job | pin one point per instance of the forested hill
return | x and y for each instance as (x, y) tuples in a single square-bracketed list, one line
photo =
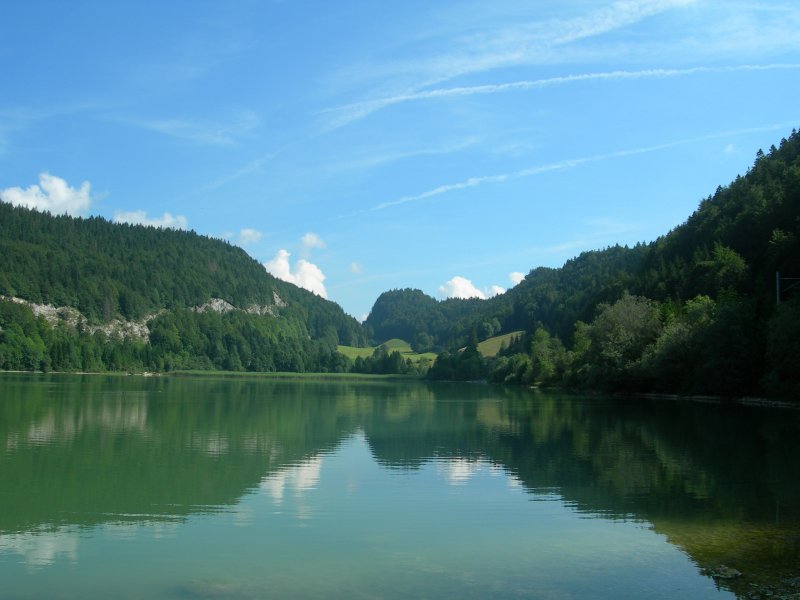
[(109, 271), (555, 298), (694, 311)]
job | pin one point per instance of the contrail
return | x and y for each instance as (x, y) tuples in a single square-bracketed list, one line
[(359, 110), (569, 164)]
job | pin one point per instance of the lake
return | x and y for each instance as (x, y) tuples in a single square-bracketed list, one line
[(236, 487)]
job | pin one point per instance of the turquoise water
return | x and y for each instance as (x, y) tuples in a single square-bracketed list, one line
[(131, 487)]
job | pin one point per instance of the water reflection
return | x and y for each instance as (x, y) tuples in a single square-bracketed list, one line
[(43, 547), (459, 471), (299, 478), (721, 483)]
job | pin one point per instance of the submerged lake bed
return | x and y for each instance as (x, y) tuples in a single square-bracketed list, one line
[(213, 487)]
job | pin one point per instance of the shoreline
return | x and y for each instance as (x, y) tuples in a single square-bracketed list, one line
[(699, 398), (229, 374), (703, 399)]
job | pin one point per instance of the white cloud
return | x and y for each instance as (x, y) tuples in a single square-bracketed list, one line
[(305, 274), (460, 287), (249, 236), (516, 277), (312, 240), (356, 268), (729, 149), (53, 194), (139, 217), (279, 266)]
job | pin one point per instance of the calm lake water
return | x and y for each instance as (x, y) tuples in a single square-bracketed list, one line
[(131, 487)]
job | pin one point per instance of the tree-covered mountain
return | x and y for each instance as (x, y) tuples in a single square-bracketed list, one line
[(110, 273), (555, 297), (695, 311), (416, 317)]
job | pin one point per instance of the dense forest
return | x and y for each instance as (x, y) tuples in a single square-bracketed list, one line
[(712, 307), (113, 273), (697, 311)]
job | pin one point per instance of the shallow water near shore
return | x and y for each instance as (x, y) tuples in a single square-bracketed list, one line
[(205, 487)]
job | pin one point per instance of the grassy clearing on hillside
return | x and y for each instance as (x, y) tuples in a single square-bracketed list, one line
[(401, 346), (352, 352), (489, 348)]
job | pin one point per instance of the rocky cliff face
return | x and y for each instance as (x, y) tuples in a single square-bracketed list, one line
[(67, 315)]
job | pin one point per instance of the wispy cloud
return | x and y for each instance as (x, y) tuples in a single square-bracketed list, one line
[(30, 114), (602, 230), (752, 28), (201, 47), (532, 42), (404, 275), (172, 71), (378, 159), (619, 14), (14, 120), (567, 164), (526, 42), (251, 167), (311, 241), (249, 236), (204, 132), (351, 112)]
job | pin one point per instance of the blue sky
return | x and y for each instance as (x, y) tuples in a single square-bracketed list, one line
[(355, 147)]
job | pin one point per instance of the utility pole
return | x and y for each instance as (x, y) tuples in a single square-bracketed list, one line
[(795, 281)]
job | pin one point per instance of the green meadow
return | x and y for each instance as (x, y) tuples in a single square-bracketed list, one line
[(491, 346), (393, 345), (488, 348)]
